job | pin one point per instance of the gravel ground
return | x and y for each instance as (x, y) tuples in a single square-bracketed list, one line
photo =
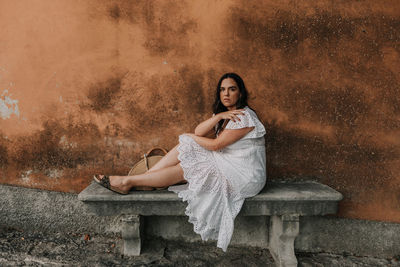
[(18, 248)]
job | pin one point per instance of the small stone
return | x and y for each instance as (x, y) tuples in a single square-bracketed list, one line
[(85, 237)]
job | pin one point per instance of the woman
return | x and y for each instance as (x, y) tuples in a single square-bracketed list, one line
[(222, 163)]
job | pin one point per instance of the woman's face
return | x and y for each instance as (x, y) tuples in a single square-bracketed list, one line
[(229, 93)]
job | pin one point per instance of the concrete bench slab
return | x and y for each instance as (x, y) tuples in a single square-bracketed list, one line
[(283, 201)]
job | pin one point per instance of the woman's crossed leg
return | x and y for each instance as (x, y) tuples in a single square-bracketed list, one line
[(170, 159)]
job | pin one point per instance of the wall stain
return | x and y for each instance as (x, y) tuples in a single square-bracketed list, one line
[(327, 32), (169, 35), (327, 28), (170, 96), (342, 107), (164, 33), (291, 155), (65, 154), (3, 156), (47, 148), (102, 94), (113, 129), (114, 12), (130, 11)]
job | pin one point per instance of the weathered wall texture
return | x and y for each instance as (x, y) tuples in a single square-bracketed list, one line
[(88, 86)]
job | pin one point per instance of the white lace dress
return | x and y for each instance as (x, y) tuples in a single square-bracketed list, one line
[(219, 181)]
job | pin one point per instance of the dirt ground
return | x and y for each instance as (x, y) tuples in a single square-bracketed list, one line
[(18, 248)]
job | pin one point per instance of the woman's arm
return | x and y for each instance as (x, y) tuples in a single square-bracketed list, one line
[(204, 128), (227, 137)]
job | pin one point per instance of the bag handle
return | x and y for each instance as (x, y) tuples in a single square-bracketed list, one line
[(150, 151), (155, 148)]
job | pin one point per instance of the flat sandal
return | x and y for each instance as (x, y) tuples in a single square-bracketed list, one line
[(105, 182)]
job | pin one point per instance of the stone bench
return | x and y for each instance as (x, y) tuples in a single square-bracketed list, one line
[(282, 201)]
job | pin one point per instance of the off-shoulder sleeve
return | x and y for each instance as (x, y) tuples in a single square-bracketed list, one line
[(248, 119)]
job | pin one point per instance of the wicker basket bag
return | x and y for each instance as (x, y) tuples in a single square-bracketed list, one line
[(147, 161)]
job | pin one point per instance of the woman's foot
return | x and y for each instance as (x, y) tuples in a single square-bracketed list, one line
[(116, 183)]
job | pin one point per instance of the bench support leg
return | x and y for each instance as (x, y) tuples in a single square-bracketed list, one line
[(131, 229), (282, 233)]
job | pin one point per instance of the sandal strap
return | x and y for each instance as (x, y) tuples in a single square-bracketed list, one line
[(105, 181)]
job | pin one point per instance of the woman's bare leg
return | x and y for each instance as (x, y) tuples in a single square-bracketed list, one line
[(157, 178), (165, 172), (170, 159)]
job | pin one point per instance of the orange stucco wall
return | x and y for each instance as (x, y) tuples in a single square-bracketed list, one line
[(88, 86)]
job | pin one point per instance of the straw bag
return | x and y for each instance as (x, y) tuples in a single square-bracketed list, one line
[(145, 164)]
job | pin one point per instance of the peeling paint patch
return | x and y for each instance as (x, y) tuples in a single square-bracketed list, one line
[(8, 106), (54, 173), (25, 175)]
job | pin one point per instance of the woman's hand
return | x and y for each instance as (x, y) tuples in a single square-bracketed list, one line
[(231, 114)]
